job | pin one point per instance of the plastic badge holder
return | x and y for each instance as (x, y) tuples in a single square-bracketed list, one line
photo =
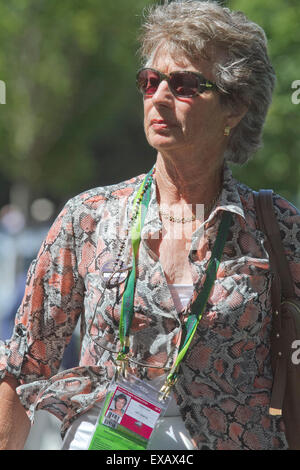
[(130, 413)]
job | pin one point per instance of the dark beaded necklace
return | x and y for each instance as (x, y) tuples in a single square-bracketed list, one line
[(118, 263)]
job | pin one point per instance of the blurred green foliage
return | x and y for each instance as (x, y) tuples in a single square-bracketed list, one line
[(73, 118), (277, 164), (72, 115)]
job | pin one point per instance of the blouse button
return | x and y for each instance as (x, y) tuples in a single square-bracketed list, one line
[(20, 330)]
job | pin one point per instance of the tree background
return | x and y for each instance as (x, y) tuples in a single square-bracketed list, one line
[(73, 118)]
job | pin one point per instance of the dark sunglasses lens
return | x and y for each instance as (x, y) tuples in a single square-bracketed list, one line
[(148, 81), (184, 84)]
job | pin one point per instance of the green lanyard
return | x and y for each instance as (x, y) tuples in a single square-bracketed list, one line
[(141, 203), (140, 206), (199, 304)]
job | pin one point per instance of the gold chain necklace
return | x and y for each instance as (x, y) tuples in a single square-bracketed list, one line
[(183, 220)]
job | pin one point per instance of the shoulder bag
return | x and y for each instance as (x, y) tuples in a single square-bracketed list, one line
[(285, 333)]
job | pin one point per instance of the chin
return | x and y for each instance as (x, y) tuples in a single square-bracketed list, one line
[(163, 143)]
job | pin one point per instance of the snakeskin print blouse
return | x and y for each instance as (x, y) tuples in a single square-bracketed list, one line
[(225, 379)]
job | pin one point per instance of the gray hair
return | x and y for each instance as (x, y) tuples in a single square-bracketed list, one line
[(236, 46)]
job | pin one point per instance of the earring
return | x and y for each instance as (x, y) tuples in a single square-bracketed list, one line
[(227, 131)]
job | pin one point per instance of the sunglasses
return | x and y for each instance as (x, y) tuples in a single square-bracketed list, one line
[(184, 84)]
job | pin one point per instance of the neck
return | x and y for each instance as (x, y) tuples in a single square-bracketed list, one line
[(192, 183)]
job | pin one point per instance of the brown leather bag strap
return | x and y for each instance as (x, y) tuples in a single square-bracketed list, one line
[(269, 225)]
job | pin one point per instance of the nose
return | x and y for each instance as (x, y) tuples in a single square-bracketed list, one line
[(163, 93)]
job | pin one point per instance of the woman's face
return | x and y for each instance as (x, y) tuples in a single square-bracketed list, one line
[(185, 124), (120, 403)]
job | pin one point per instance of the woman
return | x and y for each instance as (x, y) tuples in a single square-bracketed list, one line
[(207, 83), (120, 402)]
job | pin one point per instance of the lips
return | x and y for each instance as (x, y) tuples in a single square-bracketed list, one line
[(160, 124)]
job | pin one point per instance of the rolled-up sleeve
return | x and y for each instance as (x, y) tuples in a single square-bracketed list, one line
[(52, 303)]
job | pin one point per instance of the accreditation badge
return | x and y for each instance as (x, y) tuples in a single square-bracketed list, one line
[(129, 416)]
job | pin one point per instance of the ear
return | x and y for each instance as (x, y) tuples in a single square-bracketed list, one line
[(236, 114)]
